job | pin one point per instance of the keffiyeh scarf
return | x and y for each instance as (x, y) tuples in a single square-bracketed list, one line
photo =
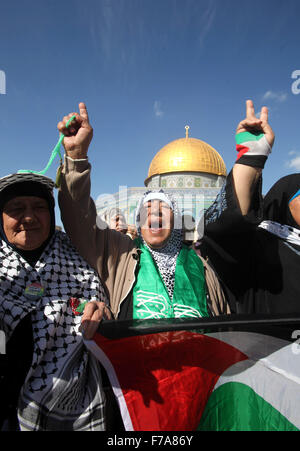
[(62, 390), (287, 233)]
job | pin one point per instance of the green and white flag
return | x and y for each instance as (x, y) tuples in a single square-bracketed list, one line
[(260, 393)]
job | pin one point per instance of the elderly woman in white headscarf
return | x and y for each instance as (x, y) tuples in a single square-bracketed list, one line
[(154, 276), (171, 280), (47, 293), (115, 220)]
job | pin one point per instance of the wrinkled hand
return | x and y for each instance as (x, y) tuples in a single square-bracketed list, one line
[(78, 134), (253, 125), (93, 314)]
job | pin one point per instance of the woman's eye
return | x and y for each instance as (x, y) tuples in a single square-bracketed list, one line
[(40, 207), (13, 210)]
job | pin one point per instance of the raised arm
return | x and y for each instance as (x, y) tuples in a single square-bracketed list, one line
[(93, 240), (231, 221), (78, 211), (254, 138)]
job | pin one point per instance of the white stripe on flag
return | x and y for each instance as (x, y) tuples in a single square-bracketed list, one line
[(101, 357), (272, 371)]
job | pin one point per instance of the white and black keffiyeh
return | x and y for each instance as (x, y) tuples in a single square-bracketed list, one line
[(285, 232), (62, 390), (165, 257)]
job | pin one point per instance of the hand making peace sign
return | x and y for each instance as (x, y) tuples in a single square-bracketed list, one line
[(252, 124)]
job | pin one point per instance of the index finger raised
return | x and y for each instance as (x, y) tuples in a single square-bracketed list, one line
[(83, 111)]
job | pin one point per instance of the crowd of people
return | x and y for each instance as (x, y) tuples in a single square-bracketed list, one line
[(56, 287)]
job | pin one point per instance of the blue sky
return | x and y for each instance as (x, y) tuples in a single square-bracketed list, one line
[(146, 68)]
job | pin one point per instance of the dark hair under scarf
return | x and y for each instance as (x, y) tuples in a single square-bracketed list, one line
[(276, 201), (27, 186)]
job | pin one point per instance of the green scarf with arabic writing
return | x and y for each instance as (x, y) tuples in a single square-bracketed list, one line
[(151, 298)]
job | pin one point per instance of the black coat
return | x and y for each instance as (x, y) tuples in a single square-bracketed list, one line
[(260, 271)]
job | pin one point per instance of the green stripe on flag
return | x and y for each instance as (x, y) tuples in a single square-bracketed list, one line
[(244, 137), (236, 407)]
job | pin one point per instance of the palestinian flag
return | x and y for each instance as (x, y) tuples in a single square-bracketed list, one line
[(230, 373), (253, 149)]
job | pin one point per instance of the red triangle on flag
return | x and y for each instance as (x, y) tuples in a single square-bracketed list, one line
[(166, 378)]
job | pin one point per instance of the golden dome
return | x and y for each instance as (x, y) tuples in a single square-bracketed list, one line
[(187, 155)]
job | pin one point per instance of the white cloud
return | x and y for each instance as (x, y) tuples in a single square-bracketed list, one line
[(157, 109), (294, 163), (276, 96)]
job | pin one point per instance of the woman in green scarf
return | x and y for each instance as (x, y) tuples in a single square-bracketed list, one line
[(170, 279), (153, 276)]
